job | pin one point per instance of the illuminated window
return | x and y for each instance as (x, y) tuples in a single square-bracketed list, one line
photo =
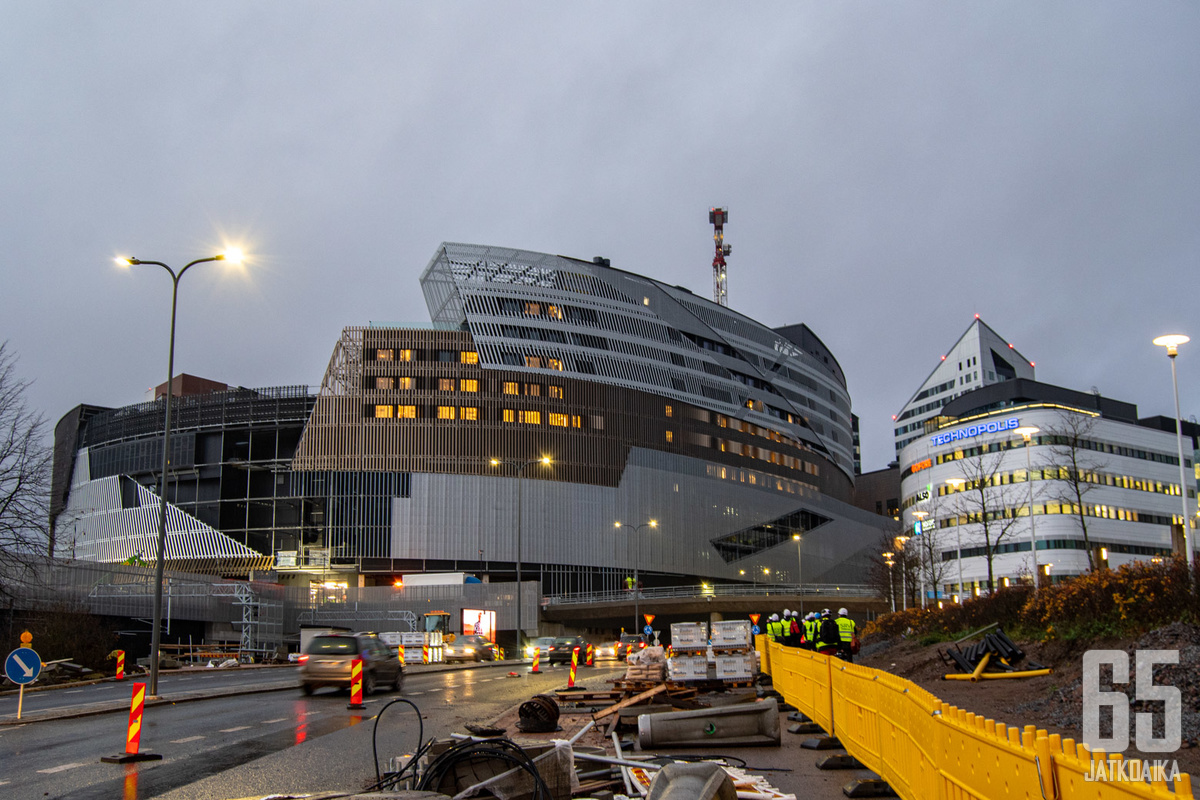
[(406, 412), (469, 357), (576, 421), (445, 384), (645, 301), (405, 383), (469, 413), (554, 363), (404, 355), (385, 355), (445, 412), (510, 388), (508, 415), (533, 362), (385, 384), (555, 312), (558, 420), (555, 391), (384, 412), (670, 411), (670, 436), (722, 421), (531, 417), (468, 385), (533, 309), (533, 389)]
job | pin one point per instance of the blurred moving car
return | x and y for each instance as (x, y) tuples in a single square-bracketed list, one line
[(470, 648), (605, 652), (560, 652), (630, 643), (328, 658), (543, 644)]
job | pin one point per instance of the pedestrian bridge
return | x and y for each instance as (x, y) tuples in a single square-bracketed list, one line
[(691, 603)]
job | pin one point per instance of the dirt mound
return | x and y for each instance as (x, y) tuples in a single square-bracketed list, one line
[(1055, 701)]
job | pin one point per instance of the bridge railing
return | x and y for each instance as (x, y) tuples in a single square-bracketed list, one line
[(713, 590)]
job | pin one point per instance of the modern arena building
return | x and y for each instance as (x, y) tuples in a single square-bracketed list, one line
[(426, 449)]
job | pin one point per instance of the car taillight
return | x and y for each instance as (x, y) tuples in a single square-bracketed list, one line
[(303, 659)]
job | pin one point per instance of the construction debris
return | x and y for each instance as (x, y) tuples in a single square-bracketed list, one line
[(749, 724), (996, 656)]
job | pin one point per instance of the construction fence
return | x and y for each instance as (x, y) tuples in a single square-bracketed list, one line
[(927, 749)]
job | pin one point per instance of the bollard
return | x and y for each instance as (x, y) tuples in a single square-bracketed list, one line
[(400, 655), (133, 734), (574, 665), (537, 652), (120, 665), (589, 656), (356, 702), (424, 654)]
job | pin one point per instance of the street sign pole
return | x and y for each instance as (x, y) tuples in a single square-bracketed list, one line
[(22, 666)]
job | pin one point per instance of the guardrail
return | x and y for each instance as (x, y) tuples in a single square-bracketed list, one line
[(928, 749), (714, 590)]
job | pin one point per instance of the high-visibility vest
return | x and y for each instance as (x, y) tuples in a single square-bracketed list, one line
[(810, 630), (846, 628)]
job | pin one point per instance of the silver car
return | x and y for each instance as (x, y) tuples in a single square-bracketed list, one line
[(328, 659)]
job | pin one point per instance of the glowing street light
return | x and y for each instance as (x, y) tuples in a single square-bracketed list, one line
[(1171, 342), (637, 587), (233, 257)]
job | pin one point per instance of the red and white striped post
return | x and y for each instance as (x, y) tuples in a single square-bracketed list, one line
[(574, 665), (120, 665), (133, 734), (537, 652), (425, 654), (400, 655), (356, 680), (589, 655)]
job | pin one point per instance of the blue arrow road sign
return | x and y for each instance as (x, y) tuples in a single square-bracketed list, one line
[(23, 666)]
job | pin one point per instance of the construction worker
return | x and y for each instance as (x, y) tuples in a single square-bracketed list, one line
[(810, 631), (797, 630), (774, 629), (847, 633), (785, 623), (828, 636)]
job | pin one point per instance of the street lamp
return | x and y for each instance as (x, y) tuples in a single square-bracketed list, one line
[(1027, 433), (956, 484), (899, 542), (887, 559), (520, 479), (234, 257), (799, 574), (1172, 342), (637, 588)]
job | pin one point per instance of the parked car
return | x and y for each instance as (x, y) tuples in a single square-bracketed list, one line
[(543, 644), (560, 653), (470, 648), (328, 658), (630, 643)]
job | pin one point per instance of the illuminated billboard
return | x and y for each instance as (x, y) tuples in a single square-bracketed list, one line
[(479, 623)]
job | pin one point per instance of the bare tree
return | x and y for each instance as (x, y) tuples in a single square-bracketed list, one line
[(927, 547), (985, 500), (24, 480), (1073, 467)]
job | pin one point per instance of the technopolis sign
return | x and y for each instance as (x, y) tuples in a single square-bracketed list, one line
[(970, 432)]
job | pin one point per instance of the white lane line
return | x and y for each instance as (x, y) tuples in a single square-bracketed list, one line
[(186, 740), (273, 721), (73, 691), (310, 713), (414, 694), (3, 782), (62, 768), (238, 728)]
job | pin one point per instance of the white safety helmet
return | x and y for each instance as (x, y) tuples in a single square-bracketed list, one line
[(774, 618), (843, 612), (787, 613)]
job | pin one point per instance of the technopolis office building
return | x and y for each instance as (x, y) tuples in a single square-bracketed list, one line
[(423, 449)]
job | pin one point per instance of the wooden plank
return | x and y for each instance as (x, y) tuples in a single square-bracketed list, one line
[(637, 698)]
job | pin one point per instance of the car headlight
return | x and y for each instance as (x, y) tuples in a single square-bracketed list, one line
[(468, 650)]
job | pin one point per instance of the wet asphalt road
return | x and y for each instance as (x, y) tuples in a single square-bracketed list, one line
[(214, 748)]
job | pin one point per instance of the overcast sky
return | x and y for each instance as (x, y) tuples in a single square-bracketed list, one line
[(891, 169)]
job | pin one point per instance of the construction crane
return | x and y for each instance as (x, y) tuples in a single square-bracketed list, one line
[(718, 217)]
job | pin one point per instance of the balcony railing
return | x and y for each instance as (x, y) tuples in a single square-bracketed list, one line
[(715, 590)]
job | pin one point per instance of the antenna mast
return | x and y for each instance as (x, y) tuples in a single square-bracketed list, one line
[(718, 217)]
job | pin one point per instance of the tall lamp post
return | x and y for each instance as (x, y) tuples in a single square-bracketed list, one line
[(637, 588), (799, 566), (921, 515), (956, 484), (887, 559), (520, 465), (156, 635), (1027, 433), (1172, 342), (899, 542)]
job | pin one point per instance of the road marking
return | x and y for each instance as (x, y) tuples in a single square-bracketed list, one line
[(273, 721), (414, 694), (74, 691), (53, 770), (310, 713), (238, 728), (188, 739)]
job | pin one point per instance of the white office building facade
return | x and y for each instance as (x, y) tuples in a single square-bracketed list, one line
[(971, 468)]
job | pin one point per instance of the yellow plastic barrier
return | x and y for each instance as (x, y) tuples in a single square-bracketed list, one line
[(927, 749)]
